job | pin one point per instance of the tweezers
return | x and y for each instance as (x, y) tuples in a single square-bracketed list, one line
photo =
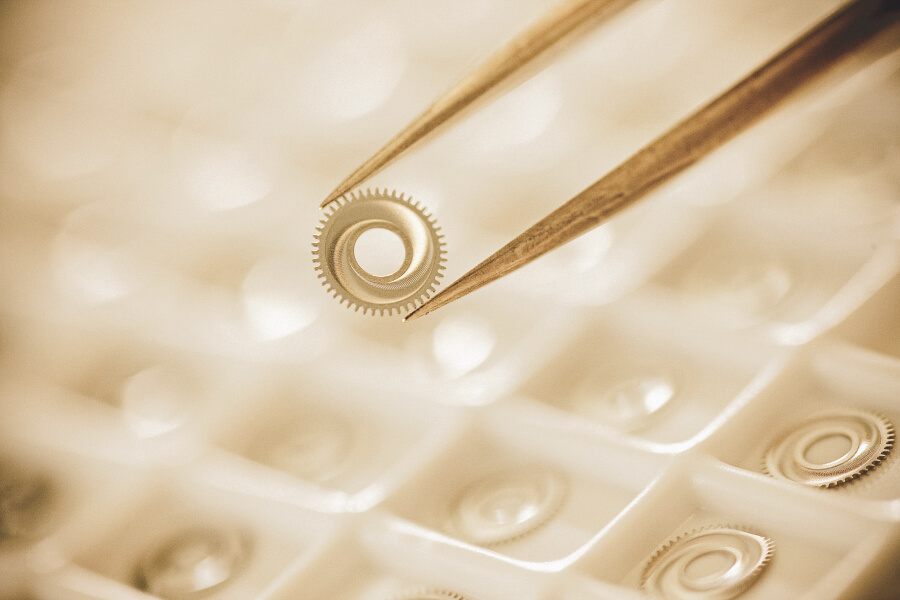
[(709, 127)]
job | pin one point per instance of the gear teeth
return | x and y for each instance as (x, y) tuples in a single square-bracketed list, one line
[(874, 419), (326, 271), (767, 548), (764, 466)]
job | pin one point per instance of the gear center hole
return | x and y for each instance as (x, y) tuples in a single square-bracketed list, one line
[(379, 252), (711, 566), (828, 448)]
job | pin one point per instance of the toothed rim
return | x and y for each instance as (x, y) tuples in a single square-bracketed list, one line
[(882, 443), (556, 493), (657, 561), (430, 594), (351, 215)]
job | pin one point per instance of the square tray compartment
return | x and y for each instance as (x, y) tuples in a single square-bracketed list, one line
[(636, 369), (332, 446), (822, 378), (786, 283), (385, 566), (497, 471), (822, 549), (266, 540)]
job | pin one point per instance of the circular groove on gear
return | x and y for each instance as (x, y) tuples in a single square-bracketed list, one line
[(716, 563), (507, 505), (866, 440), (353, 215)]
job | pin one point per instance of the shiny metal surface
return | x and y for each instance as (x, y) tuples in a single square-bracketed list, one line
[(831, 449), (718, 563), (341, 272)]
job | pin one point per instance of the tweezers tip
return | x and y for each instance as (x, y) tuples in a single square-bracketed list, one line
[(337, 193), (412, 316), (430, 305)]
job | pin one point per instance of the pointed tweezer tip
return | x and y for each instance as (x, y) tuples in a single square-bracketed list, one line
[(337, 193), (415, 314), (442, 298), (430, 305)]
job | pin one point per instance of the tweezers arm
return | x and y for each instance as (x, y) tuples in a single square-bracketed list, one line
[(552, 27), (686, 143)]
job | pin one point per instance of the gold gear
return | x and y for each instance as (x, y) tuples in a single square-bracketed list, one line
[(871, 438), (352, 215), (666, 573)]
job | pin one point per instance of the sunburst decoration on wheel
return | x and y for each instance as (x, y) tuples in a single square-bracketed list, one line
[(351, 216)]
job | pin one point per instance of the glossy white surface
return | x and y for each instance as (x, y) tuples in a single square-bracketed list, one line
[(169, 360)]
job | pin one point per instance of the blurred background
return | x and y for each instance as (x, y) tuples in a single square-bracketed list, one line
[(187, 412)]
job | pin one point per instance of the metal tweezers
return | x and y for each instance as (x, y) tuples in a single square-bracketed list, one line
[(814, 52)]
